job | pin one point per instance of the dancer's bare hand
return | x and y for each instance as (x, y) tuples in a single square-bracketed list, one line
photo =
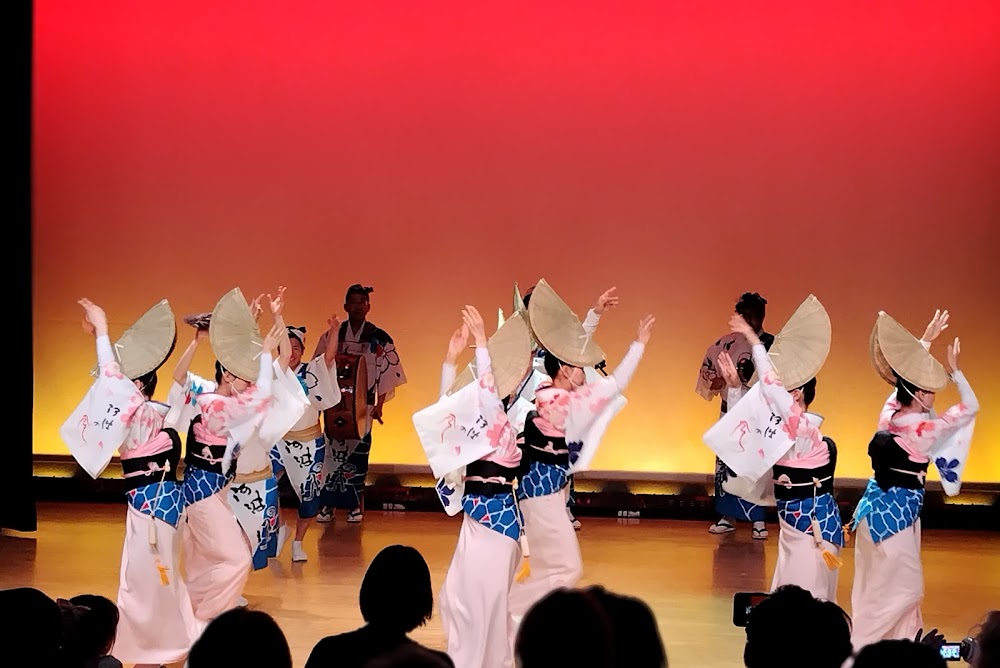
[(606, 302), (255, 308), (459, 341), (273, 339), (277, 303), (474, 321), (953, 352), (645, 329), (938, 324), (727, 369), (94, 315)]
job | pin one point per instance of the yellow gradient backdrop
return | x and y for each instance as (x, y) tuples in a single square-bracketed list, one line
[(682, 154)]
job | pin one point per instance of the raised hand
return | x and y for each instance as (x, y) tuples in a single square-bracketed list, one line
[(606, 302), (458, 342), (273, 339), (255, 308), (94, 315), (738, 325), (727, 369), (645, 329), (953, 352), (938, 324), (333, 325), (474, 321), (277, 303), (931, 638)]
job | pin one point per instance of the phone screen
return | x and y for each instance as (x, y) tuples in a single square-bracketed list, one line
[(951, 651), (743, 602)]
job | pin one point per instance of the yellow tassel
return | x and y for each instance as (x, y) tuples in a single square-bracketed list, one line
[(525, 571), (831, 560), (164, 578)]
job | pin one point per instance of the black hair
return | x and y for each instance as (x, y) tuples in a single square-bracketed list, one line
[(552, 364), (905, 391), (219, 371), (358, 289), (527, 297), (93, 633), (752, 303), (899, 653), (32, 628), (988, 642), (566, 613), (148, 384), (396, 593), (827, 646), (637, 641), (411, 655), (808, 392), (225, 642)]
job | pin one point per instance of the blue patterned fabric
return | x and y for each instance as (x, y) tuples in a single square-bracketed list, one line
[(200, 484), (304, 455), (888, 512), (498, 513), (797, 513), (344, 487), (267, 534), (542, 480), (162, 500), (729, 505)]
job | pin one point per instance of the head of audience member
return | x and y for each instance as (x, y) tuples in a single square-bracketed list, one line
[(32, 627), (396, 593), (241, 637), (90, 625), (792, 629), (986, 642), (411, 656), (569, 627), (637, 642), (892, 653)]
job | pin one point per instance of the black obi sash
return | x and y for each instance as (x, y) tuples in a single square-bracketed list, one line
[(534, 437), (484, 469), (166, 459), (802, 479), (192, 458), (886, 455)]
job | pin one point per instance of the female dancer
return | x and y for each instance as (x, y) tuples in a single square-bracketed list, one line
[(474, 599), (217, 555), (888, 575), (560, 437), (811, 534), (300, 453), (156, 623)]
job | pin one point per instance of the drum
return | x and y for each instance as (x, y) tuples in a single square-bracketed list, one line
[(349, 419)]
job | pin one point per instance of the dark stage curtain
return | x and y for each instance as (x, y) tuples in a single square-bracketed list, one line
[(17, 493)]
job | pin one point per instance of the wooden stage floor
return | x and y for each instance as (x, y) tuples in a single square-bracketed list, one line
[(685, 574)]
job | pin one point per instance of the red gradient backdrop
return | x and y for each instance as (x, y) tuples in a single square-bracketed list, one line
[(683, 152)]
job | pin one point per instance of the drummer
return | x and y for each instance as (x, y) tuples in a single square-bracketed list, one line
[(346, 465)]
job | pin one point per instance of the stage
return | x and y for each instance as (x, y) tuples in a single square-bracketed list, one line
[(685, 574)]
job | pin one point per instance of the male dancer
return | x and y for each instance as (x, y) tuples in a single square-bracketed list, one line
[(346, 466), (751, 306)]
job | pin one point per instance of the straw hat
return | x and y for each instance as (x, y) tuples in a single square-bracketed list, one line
[(510, 357), (519, 307), (236, 340), (559, 330), (801, 347), (147, 344), (893, 349)]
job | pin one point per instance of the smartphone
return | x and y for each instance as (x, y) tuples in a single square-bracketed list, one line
[(743, 602), (951, 651)]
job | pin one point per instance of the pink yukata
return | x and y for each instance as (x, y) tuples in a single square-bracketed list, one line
[(217, 554), (558, 439), (156, 623), (888, 573), (474, 599), (799, 499)]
